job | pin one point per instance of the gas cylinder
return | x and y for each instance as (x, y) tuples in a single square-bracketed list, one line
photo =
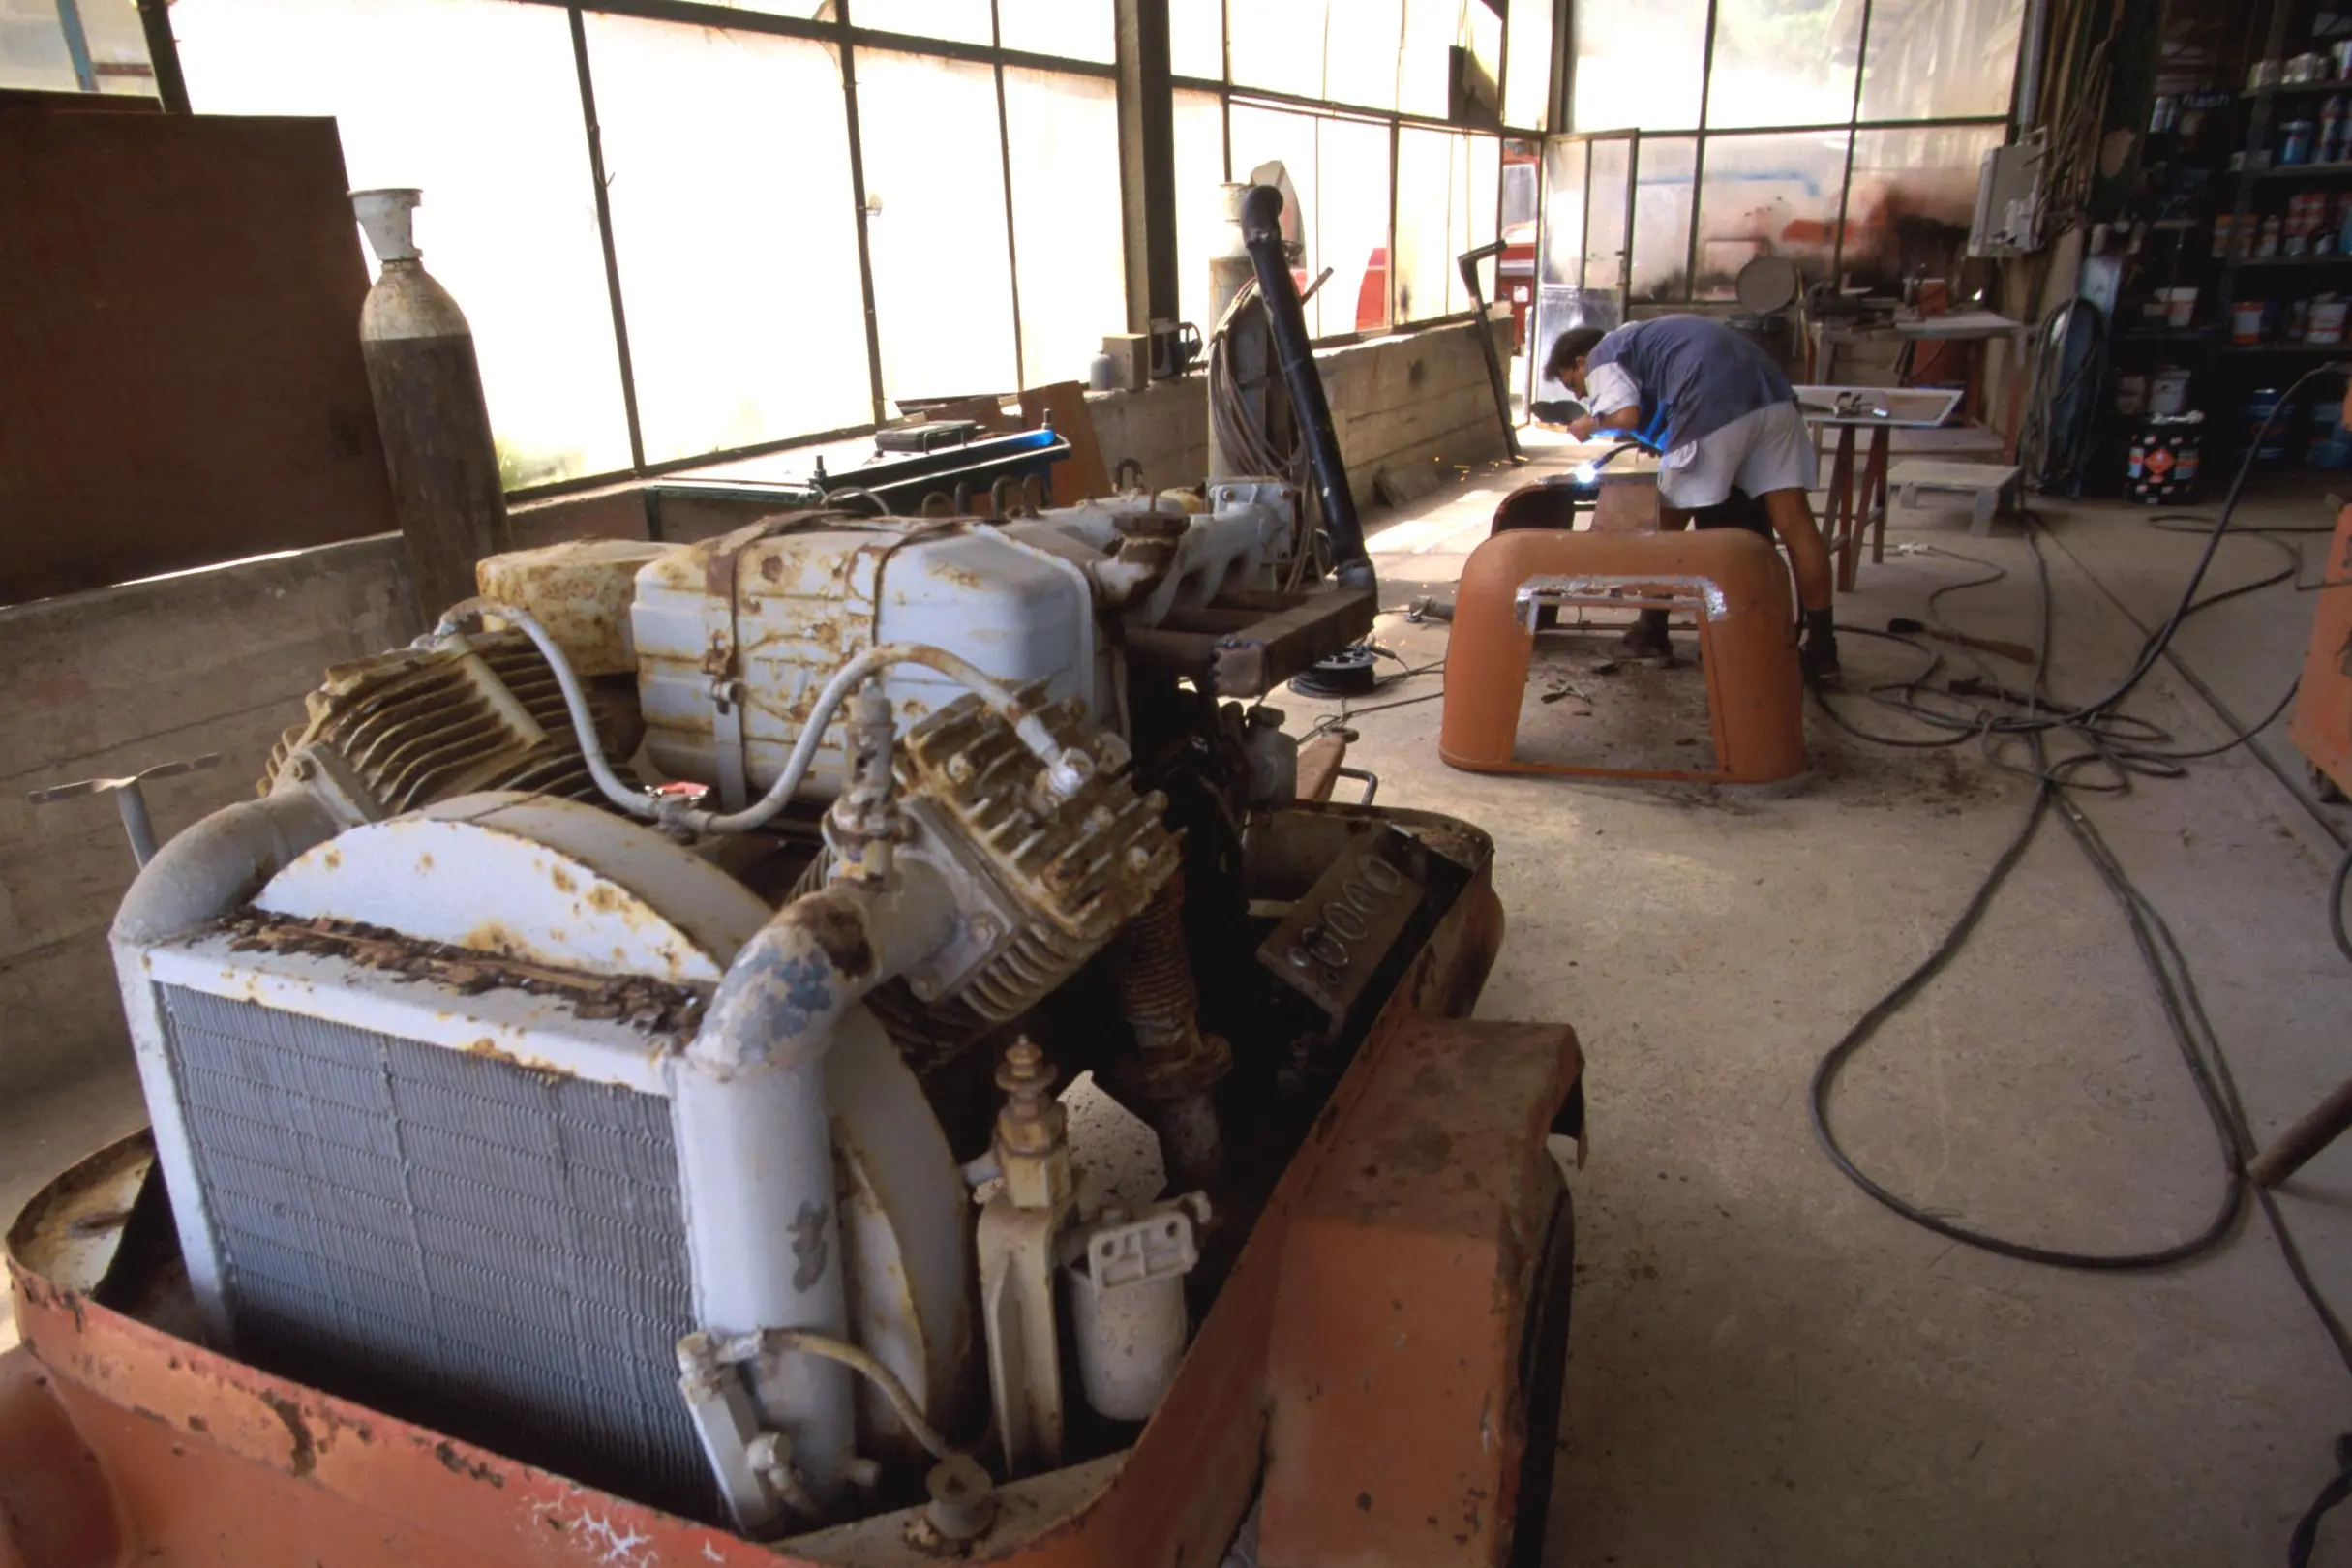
[(427, 384)]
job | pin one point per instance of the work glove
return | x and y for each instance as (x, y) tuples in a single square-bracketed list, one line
[(1817, 648)]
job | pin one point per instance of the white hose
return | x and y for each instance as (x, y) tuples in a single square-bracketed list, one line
[(1068, 769)]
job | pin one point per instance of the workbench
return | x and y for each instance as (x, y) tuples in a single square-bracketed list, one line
[(1850, 512)]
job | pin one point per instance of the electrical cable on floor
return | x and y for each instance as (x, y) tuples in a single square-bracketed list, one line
[(2126, 748)]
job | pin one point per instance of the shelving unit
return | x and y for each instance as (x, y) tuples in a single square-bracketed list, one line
[(2188, 184)]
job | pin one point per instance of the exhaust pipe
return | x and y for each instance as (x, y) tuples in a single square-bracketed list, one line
[(1262, 231)]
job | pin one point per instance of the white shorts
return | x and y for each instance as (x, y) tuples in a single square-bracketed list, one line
[(1768, 450)]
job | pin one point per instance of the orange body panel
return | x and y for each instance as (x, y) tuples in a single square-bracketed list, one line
[(2322, 728), (123, 1443), (1405, 1289), (1746, 638)]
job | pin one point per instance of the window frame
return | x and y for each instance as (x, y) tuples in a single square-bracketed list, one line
[(840, 29), (1853, 126)]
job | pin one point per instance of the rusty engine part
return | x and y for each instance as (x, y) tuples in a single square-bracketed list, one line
[(1077, 871), (1176, 1067), (554, 1131), (418, 725)]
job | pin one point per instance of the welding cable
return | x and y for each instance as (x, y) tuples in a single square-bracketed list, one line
[(2335, 906), (2178, 996), (1068, 768)]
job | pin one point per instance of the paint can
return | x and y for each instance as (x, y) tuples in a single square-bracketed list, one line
[(2163, 463)]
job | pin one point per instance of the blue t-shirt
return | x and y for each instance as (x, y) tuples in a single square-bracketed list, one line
[(1694, 376)]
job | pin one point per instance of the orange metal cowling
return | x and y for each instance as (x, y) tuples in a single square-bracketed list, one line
[(121, 1441), (1746, 638), (2322, 729)]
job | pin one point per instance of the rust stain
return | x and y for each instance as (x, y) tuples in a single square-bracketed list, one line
[(636, 1000), (333, 857), (562, 880), (305, 1457), (493, 936), (838, 928), (771, 567), (472, 1470), (424, 862)]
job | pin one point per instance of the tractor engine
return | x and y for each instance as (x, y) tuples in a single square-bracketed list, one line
[(626, 1029)]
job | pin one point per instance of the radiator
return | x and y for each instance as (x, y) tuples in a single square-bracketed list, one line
[(491, 1251)]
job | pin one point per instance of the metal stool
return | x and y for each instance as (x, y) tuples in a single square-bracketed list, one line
[(1731, 578)]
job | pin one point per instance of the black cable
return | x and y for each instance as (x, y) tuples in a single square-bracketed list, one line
[(2048, 793), (2167, 965), (2335, 906)]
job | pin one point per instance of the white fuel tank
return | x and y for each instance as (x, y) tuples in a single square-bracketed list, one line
[(734, 636)]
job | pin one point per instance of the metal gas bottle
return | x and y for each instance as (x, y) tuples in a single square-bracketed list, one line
[(427, 384)]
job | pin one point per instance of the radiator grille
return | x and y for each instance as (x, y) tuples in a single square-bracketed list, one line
[(454, 1239)]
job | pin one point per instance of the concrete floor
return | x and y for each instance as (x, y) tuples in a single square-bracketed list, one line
[(1767, 1368)]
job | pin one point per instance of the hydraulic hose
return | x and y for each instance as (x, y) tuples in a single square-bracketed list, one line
[(1067, 769), (1261, 216)]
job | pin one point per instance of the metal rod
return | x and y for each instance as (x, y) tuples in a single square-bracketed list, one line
[(865, 245), (76, 44), (132, 801), (1845, 189), (604, 235), (1469, 262), (1706, 85), (1003, 167), (164, 56)]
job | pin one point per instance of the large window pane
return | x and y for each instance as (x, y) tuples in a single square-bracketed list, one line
[(1433, 220), (1064, 132), (1914, 194), (935, 226), (1638, 67), (1351, 228), (1662, 218), (1432, 27), (1079, 29), (733, 220), (1939, 59), (1196, 39), (1528, 84), (1784, 62), (477, 101), (1278, 44), (1362, 51), (1200, 172), (34, 52), (1606, 240), (964, 19), (1481, 214), (1566, 175), (1768, 196), (1340, 170)]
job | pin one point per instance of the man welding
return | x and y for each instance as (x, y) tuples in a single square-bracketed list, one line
[(1726, 422)]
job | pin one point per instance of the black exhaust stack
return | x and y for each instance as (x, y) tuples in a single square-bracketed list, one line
[(1262, 232)]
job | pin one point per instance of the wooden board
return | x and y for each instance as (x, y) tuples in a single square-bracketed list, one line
[(1081, 473), (179, 351)]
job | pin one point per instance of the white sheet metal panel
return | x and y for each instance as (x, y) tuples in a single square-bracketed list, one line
[(529, 877)]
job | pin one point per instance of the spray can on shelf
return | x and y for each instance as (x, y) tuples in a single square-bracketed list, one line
[(427, 384)]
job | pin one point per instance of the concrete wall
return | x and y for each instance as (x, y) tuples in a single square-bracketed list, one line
[(118, 680), (1401, 401), (122, 678)]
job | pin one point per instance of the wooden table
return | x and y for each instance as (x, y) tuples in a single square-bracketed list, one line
[(1879, 410)]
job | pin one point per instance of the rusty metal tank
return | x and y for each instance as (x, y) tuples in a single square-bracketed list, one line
[(427, 383)]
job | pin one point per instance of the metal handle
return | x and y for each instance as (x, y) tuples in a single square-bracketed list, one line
[(129, 798)]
